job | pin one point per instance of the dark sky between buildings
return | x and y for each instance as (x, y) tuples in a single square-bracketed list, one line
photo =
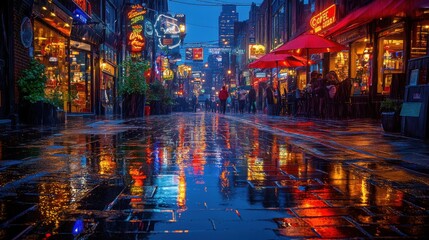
[(202, 17)]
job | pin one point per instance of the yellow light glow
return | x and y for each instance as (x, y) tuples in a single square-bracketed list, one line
[(182, 28)]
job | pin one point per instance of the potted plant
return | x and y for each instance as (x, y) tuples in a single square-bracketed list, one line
[(36, 107), (133, 87), (156, 94), (167, 103), (390, 110)]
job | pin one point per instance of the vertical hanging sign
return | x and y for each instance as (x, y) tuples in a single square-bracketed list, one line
[(136, 39)]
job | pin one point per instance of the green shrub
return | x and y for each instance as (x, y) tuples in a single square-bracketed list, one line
[(32, 82), (133, 79)]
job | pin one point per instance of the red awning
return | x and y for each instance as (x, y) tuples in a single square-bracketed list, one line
[(374, 10)]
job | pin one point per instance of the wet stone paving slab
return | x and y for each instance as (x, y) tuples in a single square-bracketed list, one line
[(206, 176)]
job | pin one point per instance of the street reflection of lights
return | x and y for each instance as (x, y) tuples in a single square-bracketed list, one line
[(107, 165), (54, 198), (224, 180), (181, 197), (365, 191), (283, 155), (255, 169)]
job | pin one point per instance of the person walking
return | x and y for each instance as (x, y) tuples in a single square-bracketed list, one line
[(241, 100), (194, 103), (252, 100), (207, 105), (223, 96), (270, 99), (321, 93), (213, 104)]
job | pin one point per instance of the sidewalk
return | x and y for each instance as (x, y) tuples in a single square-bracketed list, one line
[(354, 136), (358, 136)]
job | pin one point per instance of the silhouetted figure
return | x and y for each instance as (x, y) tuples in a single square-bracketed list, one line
[(223, 96), (252, 100)]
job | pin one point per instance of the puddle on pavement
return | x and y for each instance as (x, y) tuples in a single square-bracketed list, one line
[(164, 176)]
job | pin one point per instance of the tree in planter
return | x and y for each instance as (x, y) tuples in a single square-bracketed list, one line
[(159, 99), (133, 87), (156, 95), (390, 110), (32, 82), (36, 107)]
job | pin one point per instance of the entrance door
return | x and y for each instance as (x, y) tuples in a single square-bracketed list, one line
[(81, 82)]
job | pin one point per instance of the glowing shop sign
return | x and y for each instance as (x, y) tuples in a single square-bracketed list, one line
[(167, 27), (137, 11), (323, 19), (136, 39), (84, 5), (256, 51)]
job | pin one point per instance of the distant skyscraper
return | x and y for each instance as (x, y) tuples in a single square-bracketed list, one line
[(227, 18)]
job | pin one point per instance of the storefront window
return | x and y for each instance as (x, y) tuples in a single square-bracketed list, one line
[(106, 92), (390, 57), (81, 81), (278, 26), (419, 40), (50, 49), (361, 60), (340, 64)]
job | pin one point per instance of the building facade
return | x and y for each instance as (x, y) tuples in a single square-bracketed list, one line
[(381, 36), (227, 18)]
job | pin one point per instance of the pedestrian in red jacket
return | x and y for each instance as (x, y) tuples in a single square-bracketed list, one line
[(223, 96)]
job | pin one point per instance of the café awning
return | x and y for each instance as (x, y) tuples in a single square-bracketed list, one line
[(374, 10)]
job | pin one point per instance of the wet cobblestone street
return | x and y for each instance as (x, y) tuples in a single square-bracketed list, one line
[(211, 176)]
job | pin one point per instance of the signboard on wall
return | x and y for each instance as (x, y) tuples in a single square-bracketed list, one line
[(167, 27), (195, 54), (136, 39), (323, 19), (256, 51)]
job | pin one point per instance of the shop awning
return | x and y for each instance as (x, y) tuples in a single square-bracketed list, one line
[(374, 10)]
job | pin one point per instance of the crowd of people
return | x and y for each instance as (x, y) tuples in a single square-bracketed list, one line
[(315, 100)]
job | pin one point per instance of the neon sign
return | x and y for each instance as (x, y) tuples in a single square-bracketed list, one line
[(256, 51), (84, 5), (136, 39), (323, 19), (137, 11), (167, 27)]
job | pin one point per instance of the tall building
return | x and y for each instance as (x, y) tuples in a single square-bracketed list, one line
[(227, 18)]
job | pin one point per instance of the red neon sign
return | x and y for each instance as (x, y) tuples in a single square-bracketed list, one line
[(84, 5), (136, 39), (323, 19)]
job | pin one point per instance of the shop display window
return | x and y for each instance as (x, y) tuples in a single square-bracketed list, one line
[(390, 57), (340, 64), (80, 82), (361, 59), (419, 39), (106, 92), (50, 49)]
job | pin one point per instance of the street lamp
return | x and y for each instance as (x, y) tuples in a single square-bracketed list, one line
[(229, 76)]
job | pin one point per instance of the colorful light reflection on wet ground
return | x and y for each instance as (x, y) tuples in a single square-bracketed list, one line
[(195, 176)]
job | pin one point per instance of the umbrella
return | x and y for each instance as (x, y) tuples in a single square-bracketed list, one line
[(310, 43), (272, 60)]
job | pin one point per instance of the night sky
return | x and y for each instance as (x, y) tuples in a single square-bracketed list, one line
[(202, 17)]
